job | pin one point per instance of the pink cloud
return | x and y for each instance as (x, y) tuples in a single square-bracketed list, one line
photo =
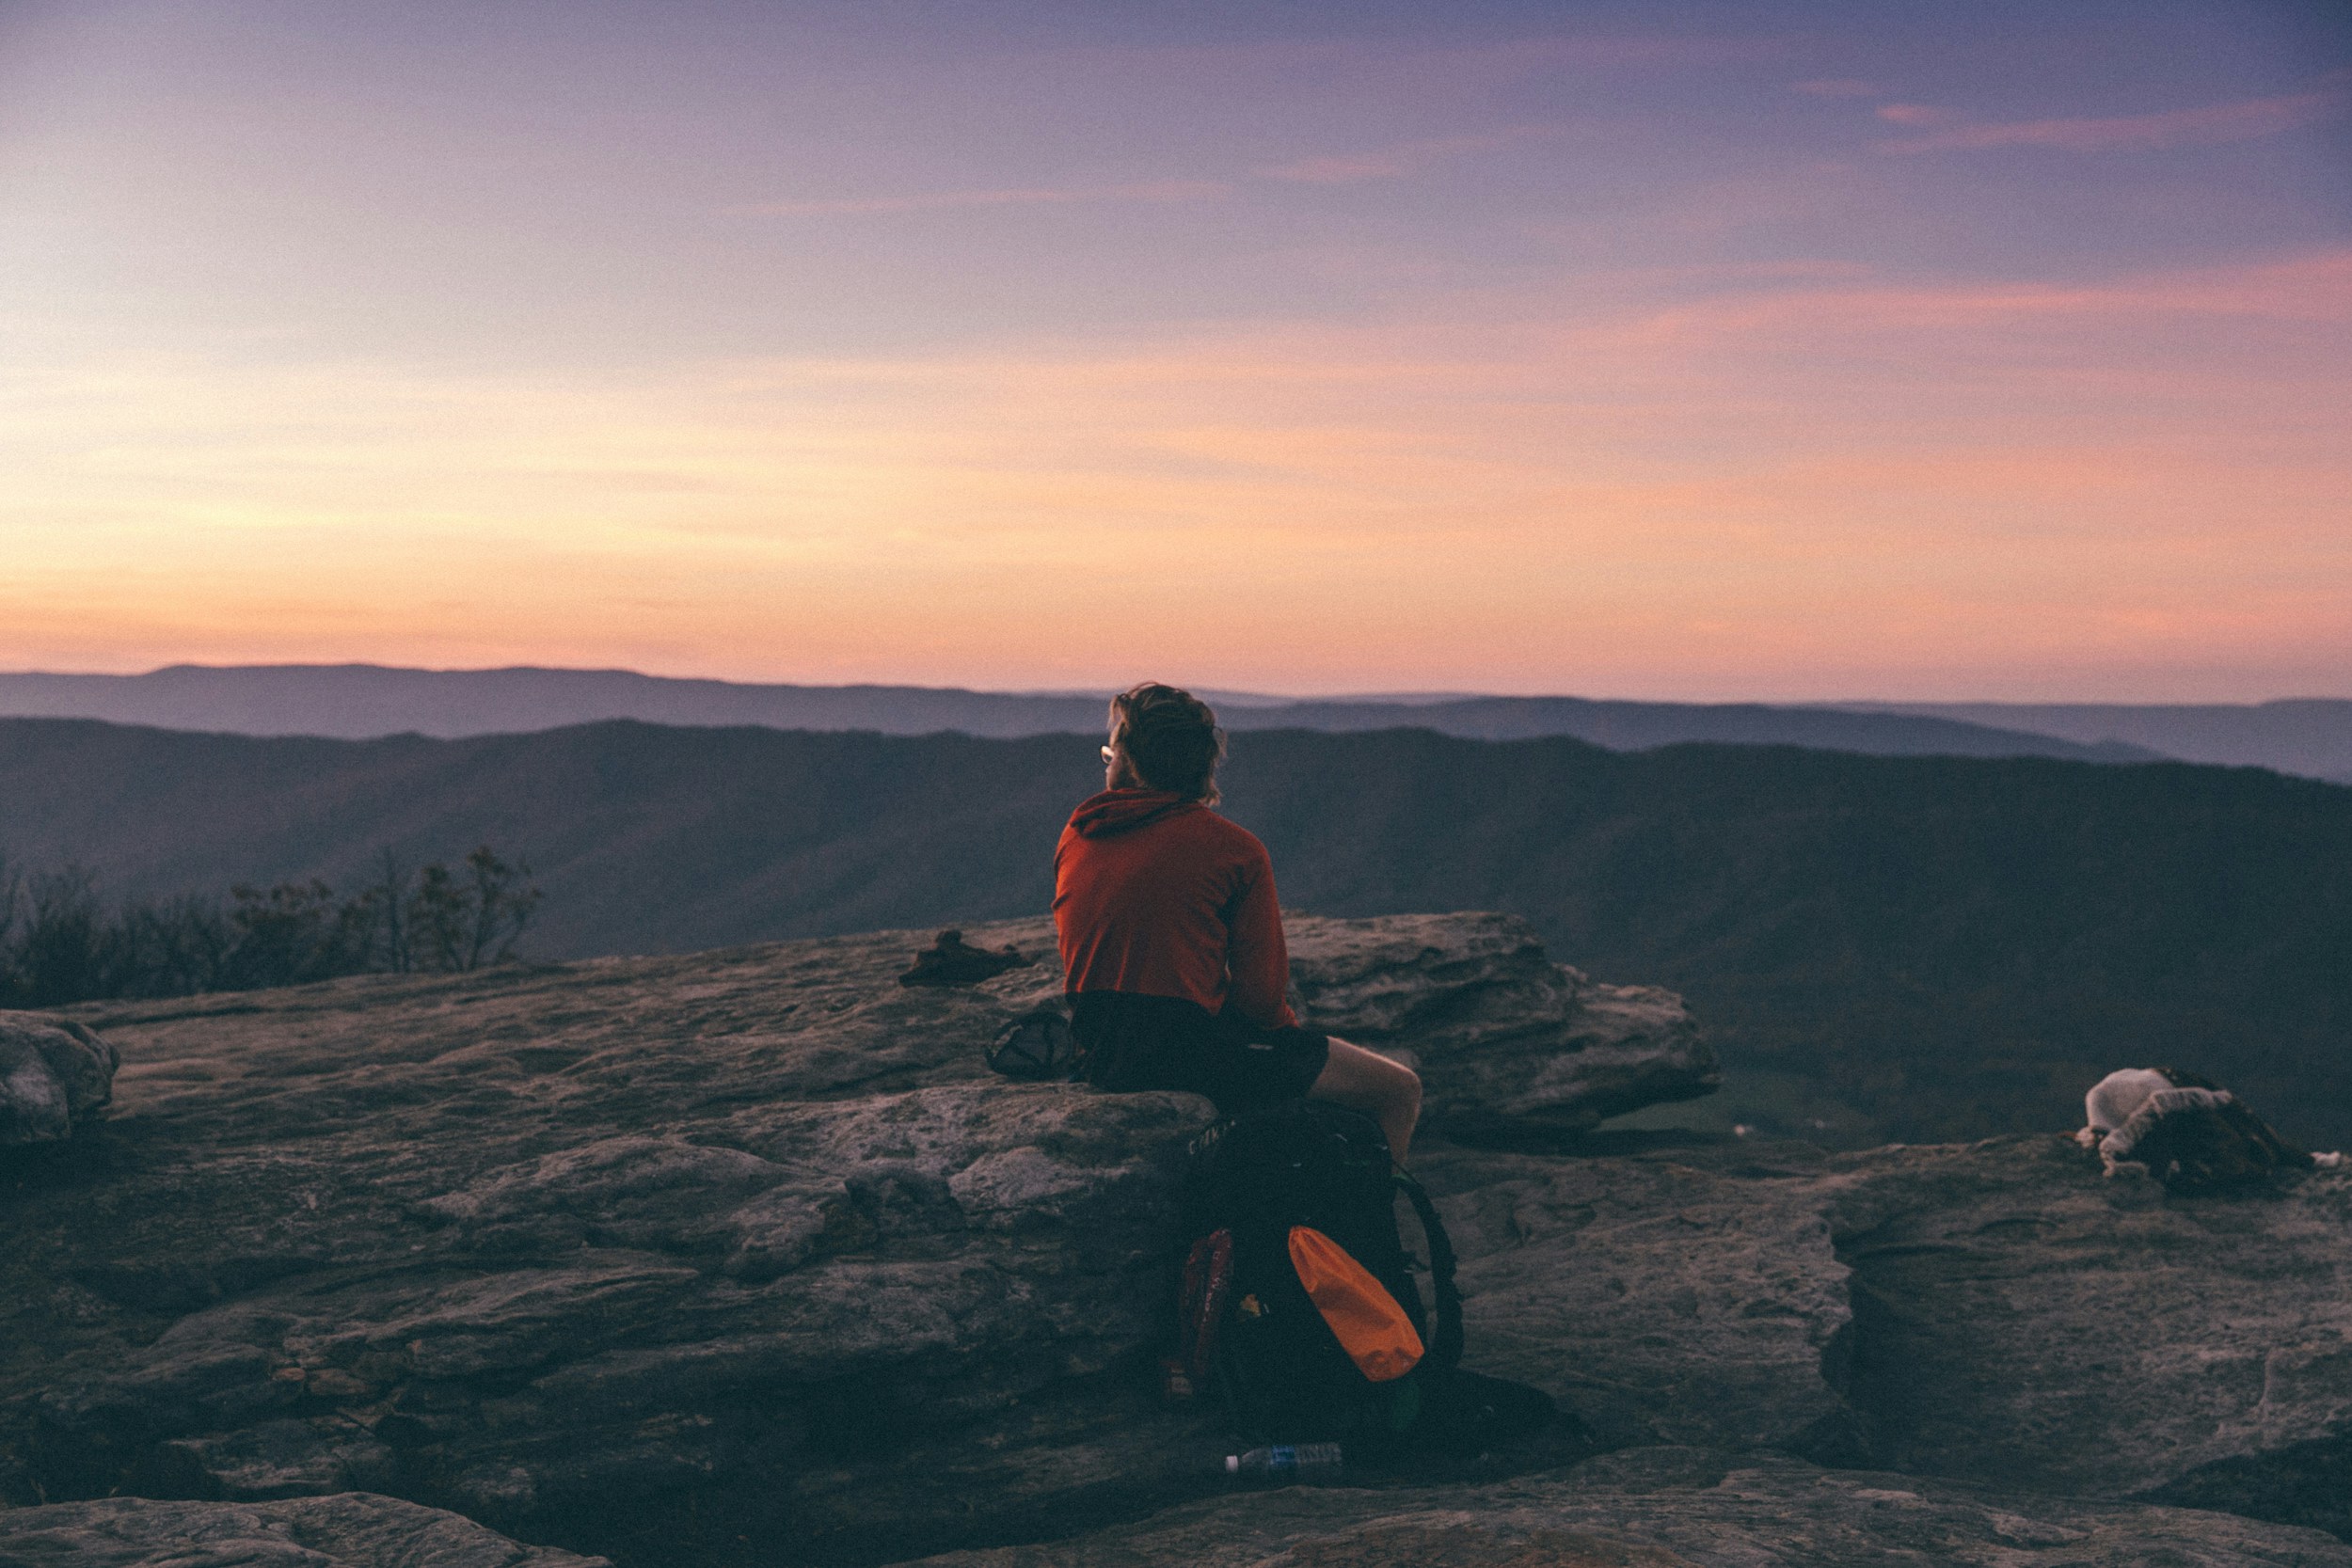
[(2203, 126), (1914, 114)]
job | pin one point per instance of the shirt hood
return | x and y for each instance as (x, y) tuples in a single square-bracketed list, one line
[(1119, 811)]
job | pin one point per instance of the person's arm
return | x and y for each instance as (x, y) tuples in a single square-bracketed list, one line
[(1256, 956)]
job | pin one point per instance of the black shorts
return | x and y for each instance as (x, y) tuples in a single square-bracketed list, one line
[(1127, 1042)]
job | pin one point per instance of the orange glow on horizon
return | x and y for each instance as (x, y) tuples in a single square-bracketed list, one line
[(1799, 486)]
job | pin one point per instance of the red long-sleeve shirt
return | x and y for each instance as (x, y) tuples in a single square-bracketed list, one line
[(1157, 895)]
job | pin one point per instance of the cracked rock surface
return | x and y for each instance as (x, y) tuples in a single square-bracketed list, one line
[(743, 1257), (729, 1256), (2021, 1320), (350, 1530)]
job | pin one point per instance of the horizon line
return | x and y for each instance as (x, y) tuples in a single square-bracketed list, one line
[(1233, 695)]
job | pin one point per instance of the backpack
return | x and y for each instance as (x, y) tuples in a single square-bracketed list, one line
[(2196, 1137), (1297, 1305)]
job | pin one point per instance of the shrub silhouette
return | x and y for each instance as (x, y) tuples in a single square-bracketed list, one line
[(60, 943)]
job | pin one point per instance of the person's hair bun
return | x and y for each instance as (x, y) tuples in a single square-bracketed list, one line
[(1171, 736)]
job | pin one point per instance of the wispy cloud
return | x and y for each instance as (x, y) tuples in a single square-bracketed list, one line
[(1345, 169), (1914, 114), (2300, 294), (2205, 125), (1016, 196), (1399, 162)]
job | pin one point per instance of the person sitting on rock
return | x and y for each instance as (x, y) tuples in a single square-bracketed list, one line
[(1171, 940)]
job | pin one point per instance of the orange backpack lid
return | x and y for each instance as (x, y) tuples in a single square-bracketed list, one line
[(1377, 1333)]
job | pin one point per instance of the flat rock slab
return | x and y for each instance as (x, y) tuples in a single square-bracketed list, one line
[(2021, 1319), (1497, 1028), (1660, 1299), (744, 1258), (738, 1253), (1998, 1312), (1676, 1508), (655, 1339), (350, 1530)]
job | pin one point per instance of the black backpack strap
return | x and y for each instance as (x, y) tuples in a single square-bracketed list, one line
[(1445, 1349)]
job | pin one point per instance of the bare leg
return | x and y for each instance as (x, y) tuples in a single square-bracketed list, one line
[(1389, 1092)]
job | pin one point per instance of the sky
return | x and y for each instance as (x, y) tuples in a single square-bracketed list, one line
[(1780, 352)]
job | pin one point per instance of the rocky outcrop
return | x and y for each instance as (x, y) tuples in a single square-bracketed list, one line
[(1676, 1508), (1506, 1041), (740, 1253), (743, 1257), (2021, 1320), (55, 1075), (351, 1531), (1999, 1312)]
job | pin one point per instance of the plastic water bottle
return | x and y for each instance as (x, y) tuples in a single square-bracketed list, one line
[(1288, 1461)]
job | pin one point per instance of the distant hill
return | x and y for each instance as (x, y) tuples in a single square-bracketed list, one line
[(1915, 947), (364, 701), (2310, 736)]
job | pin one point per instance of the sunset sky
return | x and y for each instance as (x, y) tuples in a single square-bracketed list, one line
[(1776, 351)]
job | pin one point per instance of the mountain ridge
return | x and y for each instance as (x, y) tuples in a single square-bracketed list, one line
[(2307, 735), (367, 702)]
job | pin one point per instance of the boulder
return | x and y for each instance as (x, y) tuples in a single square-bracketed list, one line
[(1506, 1041), (351, 1531), (55, 1075), (1676, 1508)]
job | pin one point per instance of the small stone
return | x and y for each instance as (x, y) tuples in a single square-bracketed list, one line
[(55, 1076)]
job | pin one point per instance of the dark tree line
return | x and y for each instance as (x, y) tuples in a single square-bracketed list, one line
[(60, 941)]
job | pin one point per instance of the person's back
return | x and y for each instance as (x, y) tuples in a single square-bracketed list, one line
[(1172, 936), (1157, 895)]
